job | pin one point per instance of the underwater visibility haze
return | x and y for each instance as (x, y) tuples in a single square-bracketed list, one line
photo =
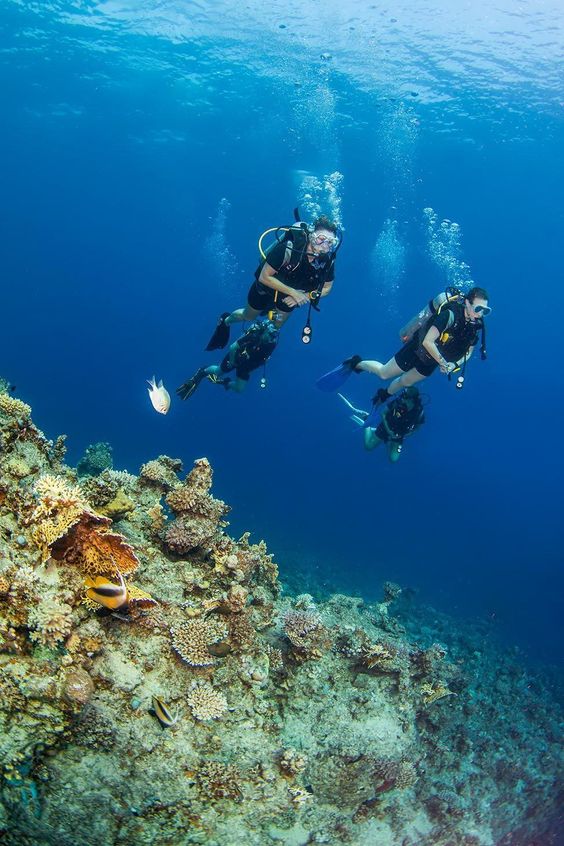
[(145, 148)]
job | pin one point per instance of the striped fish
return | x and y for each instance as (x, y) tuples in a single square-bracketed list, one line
[(107, 593), (163, 713)]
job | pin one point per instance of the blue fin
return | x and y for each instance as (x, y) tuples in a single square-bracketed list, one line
[(335, 379), (373, 418)]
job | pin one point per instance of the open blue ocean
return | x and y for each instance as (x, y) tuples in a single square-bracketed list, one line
[(145, 146)]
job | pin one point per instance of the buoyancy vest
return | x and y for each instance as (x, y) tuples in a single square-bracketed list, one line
[(456, 338)]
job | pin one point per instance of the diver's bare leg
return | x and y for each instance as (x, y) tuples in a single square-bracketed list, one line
[(384, 371)]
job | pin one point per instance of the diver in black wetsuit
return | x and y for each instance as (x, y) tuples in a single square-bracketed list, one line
[(293, 272), (399, 419), (446, 341), (250, 351)]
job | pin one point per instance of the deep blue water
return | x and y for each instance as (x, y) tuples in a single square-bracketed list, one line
[(144, 149)]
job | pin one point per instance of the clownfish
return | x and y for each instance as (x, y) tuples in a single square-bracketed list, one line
[(107, 593), (163, 714)]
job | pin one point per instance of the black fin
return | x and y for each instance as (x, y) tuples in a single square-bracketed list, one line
[(220, 337), (187, 389)]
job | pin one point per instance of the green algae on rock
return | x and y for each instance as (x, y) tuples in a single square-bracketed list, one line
[(335, 721)]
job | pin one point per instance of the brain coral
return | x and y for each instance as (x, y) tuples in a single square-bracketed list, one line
[(192, 638), (205, 702)]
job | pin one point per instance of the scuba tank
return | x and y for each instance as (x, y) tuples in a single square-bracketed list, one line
[(434, 306), (296, 239)]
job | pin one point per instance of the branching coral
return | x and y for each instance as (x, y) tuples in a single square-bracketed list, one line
[(100, 489), (242, 635), (306, 633), (59, 507), (292, 762), (14, 407), (216, 780), (161, 472), (392, 775), (50, 621), (192, 638), (187, 533), (205, 702), (198, 513), (96, 459)]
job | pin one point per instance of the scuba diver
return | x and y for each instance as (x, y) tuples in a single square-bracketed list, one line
[(298, 269), (399, 419), (443, 335), (246, 354)]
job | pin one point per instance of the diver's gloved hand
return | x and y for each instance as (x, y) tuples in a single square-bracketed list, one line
[(353, 362)]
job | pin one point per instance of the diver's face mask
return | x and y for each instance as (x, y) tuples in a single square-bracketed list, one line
[(478, 309), (323, 241)]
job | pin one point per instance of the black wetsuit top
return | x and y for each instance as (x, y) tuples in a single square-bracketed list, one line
[(400, 420), (307, 276), (250, 354), (462, 333)]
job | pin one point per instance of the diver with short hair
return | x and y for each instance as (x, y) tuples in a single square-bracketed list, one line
[(445, 338), (399, 419), (291, 274), (249, 352)]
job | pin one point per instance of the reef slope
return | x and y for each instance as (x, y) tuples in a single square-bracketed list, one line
[(205, 708)]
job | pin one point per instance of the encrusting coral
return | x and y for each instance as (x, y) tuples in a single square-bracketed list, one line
[(335, 721)]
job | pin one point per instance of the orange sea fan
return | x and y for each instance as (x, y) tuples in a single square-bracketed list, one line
[(94, 550)]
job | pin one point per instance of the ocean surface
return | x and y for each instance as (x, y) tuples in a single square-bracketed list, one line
[(145, 146)]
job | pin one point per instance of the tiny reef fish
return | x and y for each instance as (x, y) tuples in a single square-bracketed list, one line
[(107, 593), (159, 396), (162, 713)]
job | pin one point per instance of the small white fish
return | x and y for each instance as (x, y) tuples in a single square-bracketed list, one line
[(159, 396)]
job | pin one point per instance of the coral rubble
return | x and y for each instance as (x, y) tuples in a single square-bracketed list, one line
[(295, 722)]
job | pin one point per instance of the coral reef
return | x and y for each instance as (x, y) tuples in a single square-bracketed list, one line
[(205, 702), (96, 459), (295, 722)]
